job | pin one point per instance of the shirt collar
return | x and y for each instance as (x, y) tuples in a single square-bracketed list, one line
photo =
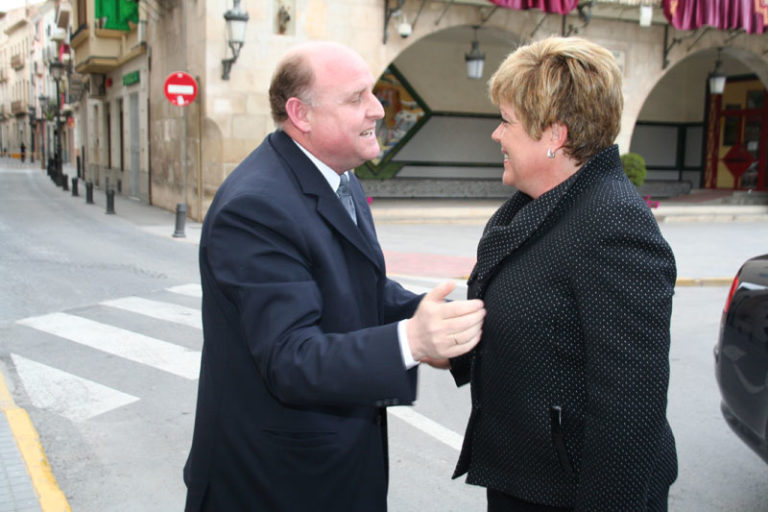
[(331, 176)]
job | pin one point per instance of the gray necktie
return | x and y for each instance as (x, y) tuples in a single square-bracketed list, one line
[(346, 197)]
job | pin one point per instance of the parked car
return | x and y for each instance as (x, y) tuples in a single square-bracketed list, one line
[(741, 355)]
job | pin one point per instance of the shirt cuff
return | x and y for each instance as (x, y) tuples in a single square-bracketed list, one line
[(405, 348)]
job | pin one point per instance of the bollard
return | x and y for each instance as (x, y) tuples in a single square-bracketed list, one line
[(74, 186), (110, 201), (64, 182), (181, 216), (89, 192)]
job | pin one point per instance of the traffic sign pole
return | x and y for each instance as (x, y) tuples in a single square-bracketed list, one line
[(181, 89)]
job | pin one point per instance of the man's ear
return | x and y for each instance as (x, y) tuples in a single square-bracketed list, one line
[(298, 113), (559, 134)]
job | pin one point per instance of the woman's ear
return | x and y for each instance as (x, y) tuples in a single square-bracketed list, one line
[(298, 113), (559, 134)]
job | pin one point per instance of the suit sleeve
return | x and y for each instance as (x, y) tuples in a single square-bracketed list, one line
[(398, 303), (624, 286), (259, 257)]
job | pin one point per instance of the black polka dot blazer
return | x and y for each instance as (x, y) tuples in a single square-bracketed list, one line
[(569, 383)]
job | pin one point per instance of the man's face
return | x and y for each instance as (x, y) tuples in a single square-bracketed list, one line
[(343, 112)]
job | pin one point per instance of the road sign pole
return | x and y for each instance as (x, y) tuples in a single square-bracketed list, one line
[(181, 90)]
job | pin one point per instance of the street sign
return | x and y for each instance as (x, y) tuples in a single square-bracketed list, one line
[(180, 88)]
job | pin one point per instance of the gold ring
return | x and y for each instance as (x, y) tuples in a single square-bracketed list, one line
[(454, 339)]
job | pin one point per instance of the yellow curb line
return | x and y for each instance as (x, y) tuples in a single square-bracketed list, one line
[(49, 494), (704, 281)]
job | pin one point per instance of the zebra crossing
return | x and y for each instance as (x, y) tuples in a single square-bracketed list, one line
[(79, 398)]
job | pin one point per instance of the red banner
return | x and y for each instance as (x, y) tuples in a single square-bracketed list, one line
[(748, 15), (550, 6)]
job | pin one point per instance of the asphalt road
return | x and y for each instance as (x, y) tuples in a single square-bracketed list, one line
[(118, 432)]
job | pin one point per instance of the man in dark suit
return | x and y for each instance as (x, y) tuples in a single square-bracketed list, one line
[(306, 340)]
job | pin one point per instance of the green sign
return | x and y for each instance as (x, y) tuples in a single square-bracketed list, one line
[(131, 78)]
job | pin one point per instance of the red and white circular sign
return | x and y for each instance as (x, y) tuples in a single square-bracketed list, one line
[(180, 88)]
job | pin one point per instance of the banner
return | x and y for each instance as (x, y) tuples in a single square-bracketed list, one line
[(549, 6), (748, 15)]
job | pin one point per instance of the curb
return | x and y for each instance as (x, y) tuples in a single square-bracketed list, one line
[(681, 281), (481, 214), (48, 492), (704, 281)]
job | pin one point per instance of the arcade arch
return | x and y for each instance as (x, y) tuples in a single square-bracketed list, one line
[(454, 141)]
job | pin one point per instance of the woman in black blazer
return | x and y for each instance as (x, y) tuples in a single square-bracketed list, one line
[(569, 383)]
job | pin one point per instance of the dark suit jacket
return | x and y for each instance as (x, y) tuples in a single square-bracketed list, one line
[(569, 383), (300, 353)]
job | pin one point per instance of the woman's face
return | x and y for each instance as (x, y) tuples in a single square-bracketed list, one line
[(523, 156)]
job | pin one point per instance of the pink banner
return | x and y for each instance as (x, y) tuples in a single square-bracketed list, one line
[(748, 15), (551, 6)]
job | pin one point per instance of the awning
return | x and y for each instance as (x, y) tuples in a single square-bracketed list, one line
[(748, 15), (549, 6)]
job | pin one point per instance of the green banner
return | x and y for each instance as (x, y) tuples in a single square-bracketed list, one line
[(115, 14)]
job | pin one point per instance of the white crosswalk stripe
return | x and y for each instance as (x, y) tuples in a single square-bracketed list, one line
[(190, 290), (428, 426), (160, 310), (80, 399), (120, 342), (73, 397)]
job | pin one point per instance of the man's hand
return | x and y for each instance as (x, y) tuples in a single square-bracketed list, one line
[(440, 329)]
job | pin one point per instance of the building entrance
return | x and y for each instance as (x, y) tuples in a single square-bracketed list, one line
[(737, 136)]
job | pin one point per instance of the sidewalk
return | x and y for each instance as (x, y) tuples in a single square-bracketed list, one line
[(26, 481)]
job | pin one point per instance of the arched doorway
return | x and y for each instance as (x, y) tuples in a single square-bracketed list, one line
[(436, 133), (737, 135), (688, 135)]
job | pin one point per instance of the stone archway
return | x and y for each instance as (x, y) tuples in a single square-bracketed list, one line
[(670, 125)]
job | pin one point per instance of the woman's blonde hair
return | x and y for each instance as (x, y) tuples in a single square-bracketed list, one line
[(563, 80)]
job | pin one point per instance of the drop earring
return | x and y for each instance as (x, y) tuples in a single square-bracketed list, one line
[(550, 153)]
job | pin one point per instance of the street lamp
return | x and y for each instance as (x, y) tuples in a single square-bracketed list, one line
[(31, 111), (236, 19), (475, 60), (43, 108), (57, 72), (716, 77)]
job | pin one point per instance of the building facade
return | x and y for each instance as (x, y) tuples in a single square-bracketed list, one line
[(436, 136)]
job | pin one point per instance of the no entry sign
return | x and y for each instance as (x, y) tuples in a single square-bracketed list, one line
[(180, 88)]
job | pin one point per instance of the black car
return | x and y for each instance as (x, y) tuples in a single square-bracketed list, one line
[(741, 356)]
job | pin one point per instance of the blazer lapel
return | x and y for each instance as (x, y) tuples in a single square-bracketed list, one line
[(365, 220), (312, 183), (509, 228)]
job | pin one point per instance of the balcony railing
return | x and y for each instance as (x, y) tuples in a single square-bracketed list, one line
[(3, 75), (17, 61), (100, 50), (18, 107)]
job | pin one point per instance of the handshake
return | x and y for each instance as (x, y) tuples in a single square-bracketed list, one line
[(441, 330)]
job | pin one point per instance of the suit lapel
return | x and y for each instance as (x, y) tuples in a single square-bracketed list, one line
[(365, 220), (312, 183)]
